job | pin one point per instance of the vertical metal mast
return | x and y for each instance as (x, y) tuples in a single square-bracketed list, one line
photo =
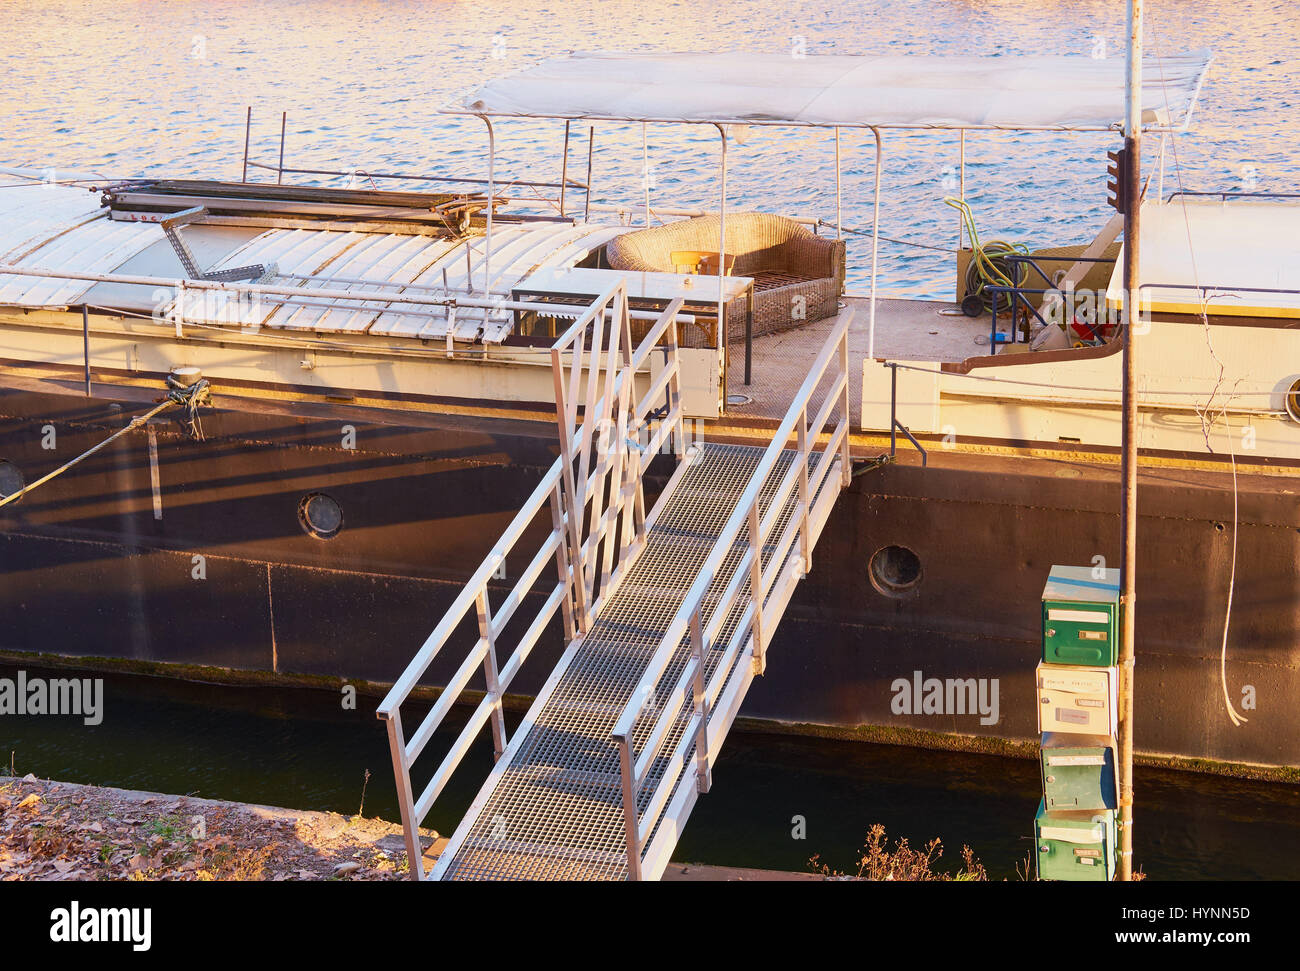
[(1128, 463)]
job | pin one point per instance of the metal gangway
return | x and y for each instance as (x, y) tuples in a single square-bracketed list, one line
[(666, 615)]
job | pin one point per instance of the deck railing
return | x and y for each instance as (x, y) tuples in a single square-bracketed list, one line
[(712, 699), (1017, 294), (595, 348)]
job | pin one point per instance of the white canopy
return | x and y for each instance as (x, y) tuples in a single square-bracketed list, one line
[(1065, 93)]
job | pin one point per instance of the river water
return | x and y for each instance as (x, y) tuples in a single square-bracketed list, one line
[(302, 749), (160, 88)]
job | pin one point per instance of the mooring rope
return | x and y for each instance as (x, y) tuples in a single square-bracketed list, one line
[(190, 398)]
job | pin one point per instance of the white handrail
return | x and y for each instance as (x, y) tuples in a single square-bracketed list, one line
[(689, 616), (296, 294), (483, 655), (403, 686), (677, 627), (610, 385)]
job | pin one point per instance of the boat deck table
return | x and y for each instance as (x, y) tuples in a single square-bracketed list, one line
[(645, 291)]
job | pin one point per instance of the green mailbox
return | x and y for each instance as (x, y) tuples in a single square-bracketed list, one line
[(1078, 772), (1075, 845), (1081, 616)]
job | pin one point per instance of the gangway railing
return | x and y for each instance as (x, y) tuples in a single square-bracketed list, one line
[(656, 804), (484, 654), (603, 539), (600, 455)]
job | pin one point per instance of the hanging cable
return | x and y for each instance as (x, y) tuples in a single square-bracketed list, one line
[(1237, 719), (1204, 413), (1069, 387), (828, 224)]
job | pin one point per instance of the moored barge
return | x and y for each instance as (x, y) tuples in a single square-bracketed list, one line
[(382, 402)]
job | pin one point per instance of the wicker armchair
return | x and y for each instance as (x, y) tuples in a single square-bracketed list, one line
[(786, 260)]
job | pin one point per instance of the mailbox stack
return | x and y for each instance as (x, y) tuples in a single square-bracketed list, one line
[(1075, 829)]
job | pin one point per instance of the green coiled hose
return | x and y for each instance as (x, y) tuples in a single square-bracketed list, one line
[(988, 265)]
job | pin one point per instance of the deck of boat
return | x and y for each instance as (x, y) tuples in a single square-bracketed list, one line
[(906, 330)]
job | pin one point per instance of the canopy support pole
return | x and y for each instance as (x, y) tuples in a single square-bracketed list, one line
[(1160, 185), (961, 190), (839, 209), (591, 146), (875, 249), (248, 128), (645, 174), (564, 166), (722, 271)]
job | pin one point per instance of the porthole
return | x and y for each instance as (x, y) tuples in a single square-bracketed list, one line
[(320, 515), (11, 480), (895, 571), (1292, 402)]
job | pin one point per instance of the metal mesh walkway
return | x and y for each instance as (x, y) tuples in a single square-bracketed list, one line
[(666, 615), (555, 811)]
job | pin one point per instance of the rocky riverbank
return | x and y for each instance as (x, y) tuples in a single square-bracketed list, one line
[(67, 831)]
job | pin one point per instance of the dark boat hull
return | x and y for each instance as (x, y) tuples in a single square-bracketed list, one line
[(89, 570)]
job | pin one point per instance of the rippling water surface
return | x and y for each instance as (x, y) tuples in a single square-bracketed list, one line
[(160, 88)]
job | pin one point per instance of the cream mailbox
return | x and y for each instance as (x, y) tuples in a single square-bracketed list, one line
[(1076, 699)]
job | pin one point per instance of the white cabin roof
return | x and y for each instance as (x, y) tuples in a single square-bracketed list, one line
[(30, 212), (1246, 250), (62, 228)]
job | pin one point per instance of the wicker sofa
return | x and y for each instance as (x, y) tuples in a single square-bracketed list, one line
[(786, 260)]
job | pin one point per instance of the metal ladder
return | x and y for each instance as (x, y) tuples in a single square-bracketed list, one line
[(171, 227), (666, 615)]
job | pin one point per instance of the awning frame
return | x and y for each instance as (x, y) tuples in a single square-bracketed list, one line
[(721, 124), (460, 106)]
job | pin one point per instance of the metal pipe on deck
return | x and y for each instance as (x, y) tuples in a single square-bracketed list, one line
[(248, 127), (279, 172), (591, 144), (487, 244), (645, 174), (961, 187)]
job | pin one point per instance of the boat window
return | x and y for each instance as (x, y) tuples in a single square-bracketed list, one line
[(11, 479), (895, 571), (320, 515)]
